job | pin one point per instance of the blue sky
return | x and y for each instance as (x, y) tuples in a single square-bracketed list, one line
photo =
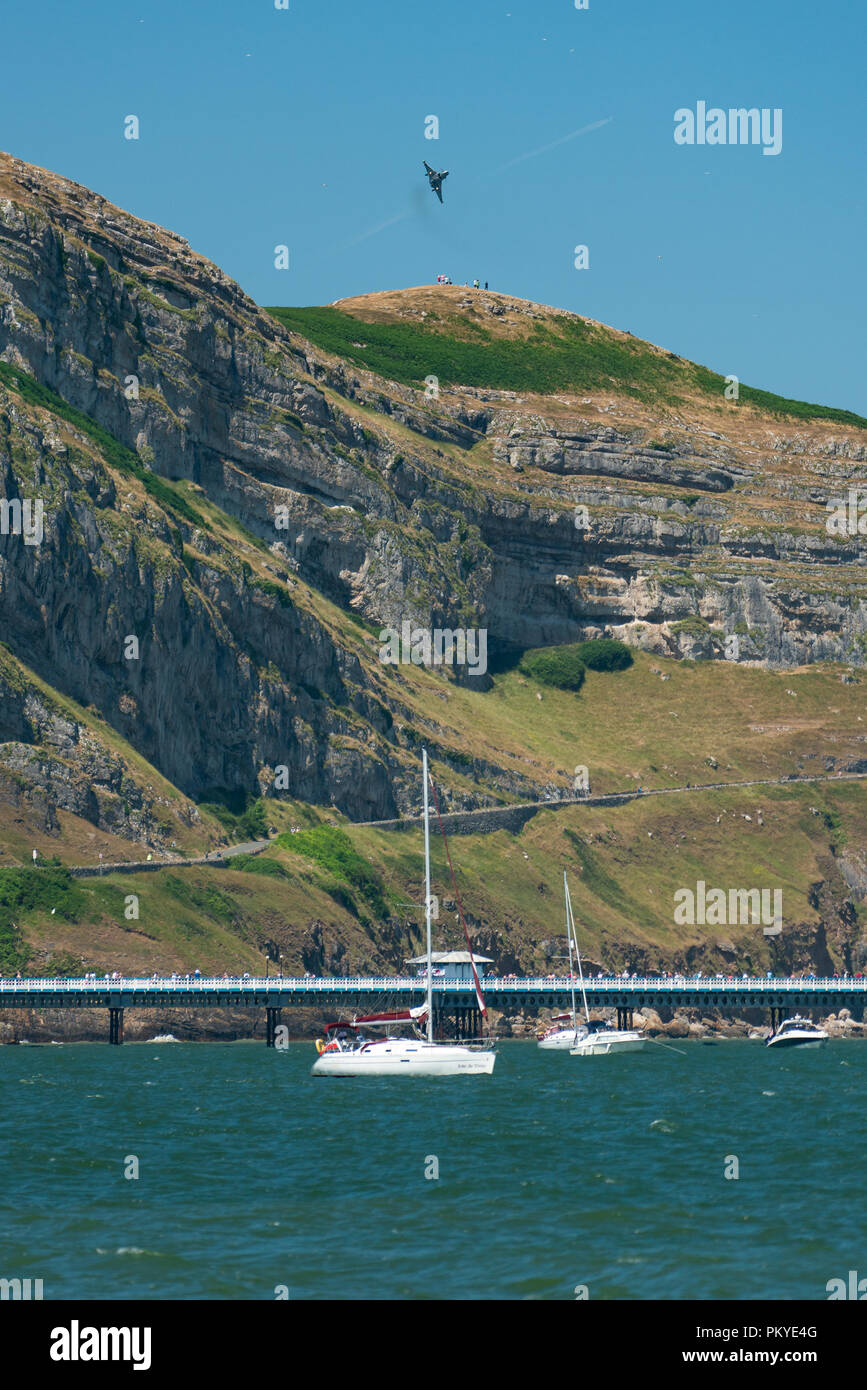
[(748, 263)]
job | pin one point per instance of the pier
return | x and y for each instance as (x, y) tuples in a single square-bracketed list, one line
[(779, 995)]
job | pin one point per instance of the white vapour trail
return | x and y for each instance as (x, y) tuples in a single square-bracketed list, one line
[(543, 149), (531, 154), (380, 228)]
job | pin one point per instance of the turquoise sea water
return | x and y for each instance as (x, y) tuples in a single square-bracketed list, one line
[(554, 1172)]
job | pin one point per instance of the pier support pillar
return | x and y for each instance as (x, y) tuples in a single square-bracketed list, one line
[(115, 1026), (624, 1017), (272, 1022)]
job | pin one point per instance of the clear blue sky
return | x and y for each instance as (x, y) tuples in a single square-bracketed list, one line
[(317, 137)]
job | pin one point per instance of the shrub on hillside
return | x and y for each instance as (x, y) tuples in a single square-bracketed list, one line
[(558, 666), (605, 654)]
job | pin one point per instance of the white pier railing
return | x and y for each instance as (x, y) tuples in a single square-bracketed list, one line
[(390, 984)]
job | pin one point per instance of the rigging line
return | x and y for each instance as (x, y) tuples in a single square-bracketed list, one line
[(479, 996), (656, 1043)]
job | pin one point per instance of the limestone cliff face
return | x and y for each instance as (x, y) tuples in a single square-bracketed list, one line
[(360, 491)]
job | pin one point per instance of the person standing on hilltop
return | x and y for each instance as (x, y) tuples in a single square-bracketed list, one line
[(475, 284)]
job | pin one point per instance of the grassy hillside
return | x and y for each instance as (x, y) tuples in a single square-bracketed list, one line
[(334, 896), (361, 911), (549, 353)]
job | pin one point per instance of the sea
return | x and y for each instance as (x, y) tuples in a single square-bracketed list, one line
[(226, 1171)]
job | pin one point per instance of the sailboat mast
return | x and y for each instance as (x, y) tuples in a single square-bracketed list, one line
[(569, 939), (577, 953), (427, 898)]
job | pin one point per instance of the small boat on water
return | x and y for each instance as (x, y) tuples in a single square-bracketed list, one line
[(798, 1032), (589, 1038), (598, 1039), (348, 1051), (562, 1033), (564, 1029)]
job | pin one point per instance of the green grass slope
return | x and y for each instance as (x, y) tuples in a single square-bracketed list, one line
[(560, 354)]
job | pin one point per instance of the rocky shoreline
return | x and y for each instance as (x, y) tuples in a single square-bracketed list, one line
[(234, 1025)]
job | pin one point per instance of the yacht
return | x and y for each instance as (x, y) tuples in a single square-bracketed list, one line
[(798, 1032), (564, 1029), (563, 1032), (348, 1051), (598, 1039), (589, 1038)]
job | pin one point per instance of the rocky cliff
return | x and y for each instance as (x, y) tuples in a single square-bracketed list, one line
[(231, 511)]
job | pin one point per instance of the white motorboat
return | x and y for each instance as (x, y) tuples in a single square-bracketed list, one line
[(598, 1039), (798, 1032), (347, 1051)]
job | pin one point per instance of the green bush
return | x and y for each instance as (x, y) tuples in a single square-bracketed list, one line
[(605, 654), (253, 823), (48, 887), (558, 666)]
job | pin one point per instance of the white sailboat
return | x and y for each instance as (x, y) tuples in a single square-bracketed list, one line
[(349, 1052), (559, 1035), (590, 1038)]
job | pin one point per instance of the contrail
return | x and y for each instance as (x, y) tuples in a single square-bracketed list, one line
[(380, 228), (531, 154), (543, 149)]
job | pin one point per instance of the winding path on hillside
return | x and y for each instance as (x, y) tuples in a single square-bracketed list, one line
[(488, 819), (216, 858), (484, 821)]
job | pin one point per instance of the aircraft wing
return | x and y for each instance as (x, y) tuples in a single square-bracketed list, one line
[(437, 188), (427, 166)]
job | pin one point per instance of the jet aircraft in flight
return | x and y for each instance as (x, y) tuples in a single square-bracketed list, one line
[(436, 180)]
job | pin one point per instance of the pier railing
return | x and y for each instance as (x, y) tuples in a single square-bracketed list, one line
[(314, 986), (352, 994)]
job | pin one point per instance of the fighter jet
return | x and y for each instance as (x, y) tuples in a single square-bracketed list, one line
[(436, 180)]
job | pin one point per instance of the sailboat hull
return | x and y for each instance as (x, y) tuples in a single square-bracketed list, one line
[(565, 1039), (393, 1057), (601, 1044)]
